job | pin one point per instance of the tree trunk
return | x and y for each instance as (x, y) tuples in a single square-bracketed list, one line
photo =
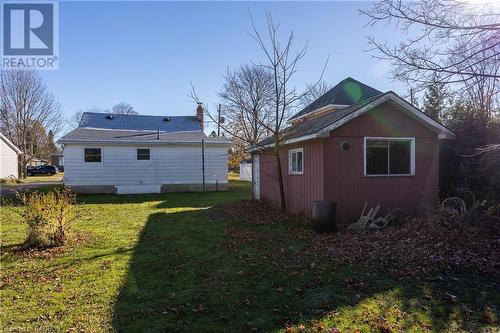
[(280, 177), (22, 167)]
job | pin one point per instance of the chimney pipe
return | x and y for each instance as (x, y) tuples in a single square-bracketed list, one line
[(199, 114)]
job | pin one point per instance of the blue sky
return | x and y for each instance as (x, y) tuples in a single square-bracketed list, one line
[(146, 53)]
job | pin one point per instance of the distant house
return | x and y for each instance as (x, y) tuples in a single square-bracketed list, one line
[(35, 161), (9, 166), (143, 154), (353, 145)]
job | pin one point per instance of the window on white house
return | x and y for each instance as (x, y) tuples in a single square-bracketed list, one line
[(389, 156), (296, 161), (143, 154), (93, 155)]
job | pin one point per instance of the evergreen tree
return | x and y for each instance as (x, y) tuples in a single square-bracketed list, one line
[(435, 101)]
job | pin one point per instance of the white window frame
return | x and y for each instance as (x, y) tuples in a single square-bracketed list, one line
[(290, 153), (96, 163), (382, 138), (140, 161)]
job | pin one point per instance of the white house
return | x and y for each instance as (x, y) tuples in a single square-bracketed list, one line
[(143, 154), (9, 166)]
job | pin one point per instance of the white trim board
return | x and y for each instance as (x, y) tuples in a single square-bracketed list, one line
[(290, 153), (443, 132), (407, 108)]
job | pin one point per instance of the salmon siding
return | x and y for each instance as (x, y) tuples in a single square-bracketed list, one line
[(385, 156)]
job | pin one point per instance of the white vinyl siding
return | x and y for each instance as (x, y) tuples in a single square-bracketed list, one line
[(167, 165), (9, 166)]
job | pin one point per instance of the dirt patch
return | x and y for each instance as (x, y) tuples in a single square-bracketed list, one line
[(409, 247), (251, 212)]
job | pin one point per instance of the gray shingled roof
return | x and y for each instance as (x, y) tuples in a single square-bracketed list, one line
[(347, 92), (139, 122), (314, 125), (123, 136)]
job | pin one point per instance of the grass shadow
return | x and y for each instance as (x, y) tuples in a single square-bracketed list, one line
[(194, 271)]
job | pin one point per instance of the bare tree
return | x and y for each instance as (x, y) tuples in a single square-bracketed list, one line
[(282, 61), (123, 108), (314, 91), (447, 34), (451, 42), (481, 90), (26, 104), (246, 98), (74, 120)]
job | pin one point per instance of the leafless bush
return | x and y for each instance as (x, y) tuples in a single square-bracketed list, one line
[(48, 217)]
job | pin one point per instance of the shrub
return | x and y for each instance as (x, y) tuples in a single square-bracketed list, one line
[(10, 180), (48, 217)]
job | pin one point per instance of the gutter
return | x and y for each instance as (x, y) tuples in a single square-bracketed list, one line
[(316, 135)]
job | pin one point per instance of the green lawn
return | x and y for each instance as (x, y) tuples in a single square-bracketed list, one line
[(37, 179), (177, 263)]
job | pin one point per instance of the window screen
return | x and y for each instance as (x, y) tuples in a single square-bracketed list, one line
[(92, 154), (143, 154), (388, 157)]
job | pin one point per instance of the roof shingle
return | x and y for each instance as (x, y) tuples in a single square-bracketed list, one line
[(124, 136), (314, 125), (347, 92), (166, 124)]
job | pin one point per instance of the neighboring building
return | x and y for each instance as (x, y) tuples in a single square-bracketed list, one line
[(246, 170), (57, 159), (143, 154), (33, 162), (10, 162), (353, 145)]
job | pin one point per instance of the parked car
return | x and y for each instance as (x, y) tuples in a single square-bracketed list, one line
[(48, 170)]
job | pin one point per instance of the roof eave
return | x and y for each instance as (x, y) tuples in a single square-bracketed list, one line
[(317, 112), (441, 130), (312, 136), (129, 142), (10, 144)]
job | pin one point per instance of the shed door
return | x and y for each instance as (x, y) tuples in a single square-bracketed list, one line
[(256, 177)]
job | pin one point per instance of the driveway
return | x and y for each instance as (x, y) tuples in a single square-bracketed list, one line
[(12, 189)]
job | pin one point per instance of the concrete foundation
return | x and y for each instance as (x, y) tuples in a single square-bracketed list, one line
[(93, 189), (165, 188)]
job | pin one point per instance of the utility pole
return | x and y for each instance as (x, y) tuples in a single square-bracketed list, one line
[(218, 121)]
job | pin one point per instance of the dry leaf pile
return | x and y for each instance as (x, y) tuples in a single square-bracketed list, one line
[(413, 247)]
